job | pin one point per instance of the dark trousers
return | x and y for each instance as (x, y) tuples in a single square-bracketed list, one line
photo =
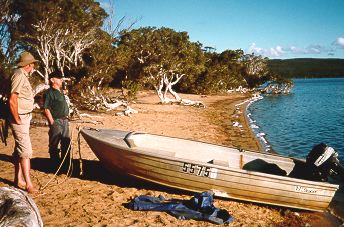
[(59, 134)]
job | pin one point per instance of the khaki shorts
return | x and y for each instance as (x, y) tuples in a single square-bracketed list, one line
[(22, 147)]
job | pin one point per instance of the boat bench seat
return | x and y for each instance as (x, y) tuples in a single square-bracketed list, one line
[(140, 147)]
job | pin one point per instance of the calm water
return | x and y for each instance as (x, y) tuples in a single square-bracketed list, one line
[(313, 113)]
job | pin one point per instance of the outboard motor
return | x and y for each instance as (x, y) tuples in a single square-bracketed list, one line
[(323, 162)]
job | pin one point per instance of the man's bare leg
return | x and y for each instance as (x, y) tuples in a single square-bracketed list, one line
[(25, 167), (19, 180)]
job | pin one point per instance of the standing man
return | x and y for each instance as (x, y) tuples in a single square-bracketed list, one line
[(21, 105), (56, 111)]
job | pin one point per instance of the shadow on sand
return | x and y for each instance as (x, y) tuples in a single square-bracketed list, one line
[(92, 171)]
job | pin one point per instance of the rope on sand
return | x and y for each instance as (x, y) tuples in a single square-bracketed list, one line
[(70, 166)]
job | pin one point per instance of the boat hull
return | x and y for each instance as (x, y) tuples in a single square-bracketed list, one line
[(166, 167)]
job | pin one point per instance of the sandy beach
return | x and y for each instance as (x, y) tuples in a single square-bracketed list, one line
[(98, 198)]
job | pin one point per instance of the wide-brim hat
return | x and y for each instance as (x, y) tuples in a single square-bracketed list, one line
[(55, 74), (25, 59)]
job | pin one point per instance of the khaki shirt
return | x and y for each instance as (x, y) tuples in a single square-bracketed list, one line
[(20, 84)]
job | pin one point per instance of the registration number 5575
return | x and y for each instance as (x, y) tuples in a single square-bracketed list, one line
[(199, 170)]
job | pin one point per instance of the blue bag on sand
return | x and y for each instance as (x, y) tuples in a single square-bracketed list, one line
[(199, 207)]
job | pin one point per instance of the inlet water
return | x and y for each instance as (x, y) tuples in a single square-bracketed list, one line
[(311, 114)]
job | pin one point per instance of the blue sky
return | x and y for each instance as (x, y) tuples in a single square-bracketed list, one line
[(271, 28)]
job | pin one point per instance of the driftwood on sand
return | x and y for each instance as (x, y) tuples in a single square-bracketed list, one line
[(95, 101), (18, 209)]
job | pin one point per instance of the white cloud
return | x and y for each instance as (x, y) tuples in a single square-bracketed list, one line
[(340, 41), (314, 50), (269, 52), (280, 51), (292, 48)]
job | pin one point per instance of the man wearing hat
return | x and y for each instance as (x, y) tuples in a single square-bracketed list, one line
[(56, 111), (21, 105)]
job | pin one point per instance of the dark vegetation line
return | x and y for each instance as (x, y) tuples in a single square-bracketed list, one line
[(307, 67)]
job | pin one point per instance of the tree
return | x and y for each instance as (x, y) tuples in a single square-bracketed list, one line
[(5, 50), (7, 19), (255, 70), (160, 58), (223, 72), (59, 31)]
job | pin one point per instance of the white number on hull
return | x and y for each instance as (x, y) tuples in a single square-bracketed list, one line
[(199, 170)]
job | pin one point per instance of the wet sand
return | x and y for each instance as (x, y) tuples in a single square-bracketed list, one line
[(98, 198)]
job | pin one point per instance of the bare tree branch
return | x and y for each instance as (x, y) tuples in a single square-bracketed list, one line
[(112, 29)]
